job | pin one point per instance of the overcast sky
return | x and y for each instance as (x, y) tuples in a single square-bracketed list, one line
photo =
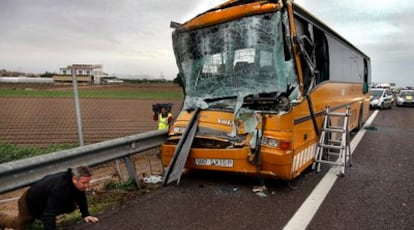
[(133, 36)]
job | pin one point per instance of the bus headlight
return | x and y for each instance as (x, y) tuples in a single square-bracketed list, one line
[(270, 142), (285, 145)]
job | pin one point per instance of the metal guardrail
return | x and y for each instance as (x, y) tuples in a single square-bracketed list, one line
[(21, 173)]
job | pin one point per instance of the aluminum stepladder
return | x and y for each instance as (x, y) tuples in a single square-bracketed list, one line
[(333, 147)]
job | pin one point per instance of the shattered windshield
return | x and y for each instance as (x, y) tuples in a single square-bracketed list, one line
[(235, 59)]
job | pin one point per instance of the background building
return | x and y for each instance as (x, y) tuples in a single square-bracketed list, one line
[(85, 73)]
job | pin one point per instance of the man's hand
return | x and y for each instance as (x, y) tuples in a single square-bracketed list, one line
[(91, 219)]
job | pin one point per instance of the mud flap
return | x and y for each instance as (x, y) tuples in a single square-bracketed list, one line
[(180, 156)]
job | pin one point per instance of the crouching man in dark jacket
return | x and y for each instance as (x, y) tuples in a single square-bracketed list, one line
[(52, 196)]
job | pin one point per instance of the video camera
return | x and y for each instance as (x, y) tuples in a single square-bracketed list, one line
[(156, 108)]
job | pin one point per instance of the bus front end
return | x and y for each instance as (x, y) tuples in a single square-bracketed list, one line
[(238, 74)]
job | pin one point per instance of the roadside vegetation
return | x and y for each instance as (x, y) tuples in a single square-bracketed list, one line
[(12, 152)]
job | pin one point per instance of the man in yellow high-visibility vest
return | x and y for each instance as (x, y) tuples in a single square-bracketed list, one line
[(164, 118)]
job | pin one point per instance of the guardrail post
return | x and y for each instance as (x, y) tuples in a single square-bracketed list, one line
[(118, 170), (131, 171)]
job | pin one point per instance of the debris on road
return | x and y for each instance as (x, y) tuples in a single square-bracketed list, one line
[(260, 190), (153, 179)]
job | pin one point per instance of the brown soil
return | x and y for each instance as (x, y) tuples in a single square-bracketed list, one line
[(46, 121)]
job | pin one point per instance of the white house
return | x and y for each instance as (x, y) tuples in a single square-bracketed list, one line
[(95, 71)]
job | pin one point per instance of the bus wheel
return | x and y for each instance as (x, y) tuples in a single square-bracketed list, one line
[(291, 185)]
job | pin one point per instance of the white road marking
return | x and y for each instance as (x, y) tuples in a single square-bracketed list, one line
[(307, 210)]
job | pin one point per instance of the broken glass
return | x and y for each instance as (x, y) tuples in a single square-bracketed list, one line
[(241, 63)]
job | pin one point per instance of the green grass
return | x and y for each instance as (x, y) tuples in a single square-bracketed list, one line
[(126, 94), (114, 194), (11, 152)]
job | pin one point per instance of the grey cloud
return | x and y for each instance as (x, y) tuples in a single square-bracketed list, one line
[(44, 33), (131, 35)]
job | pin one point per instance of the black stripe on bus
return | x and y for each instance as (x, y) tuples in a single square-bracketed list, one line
[(320, 113)]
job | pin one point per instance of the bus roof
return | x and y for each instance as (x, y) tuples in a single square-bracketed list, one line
[(241, 8), (228, 11)]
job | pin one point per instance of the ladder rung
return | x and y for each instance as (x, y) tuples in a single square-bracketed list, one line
[(331, 146), (334, 130), (330, 162)]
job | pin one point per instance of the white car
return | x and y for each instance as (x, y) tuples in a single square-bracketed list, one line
[(381, 98), (405, 97)]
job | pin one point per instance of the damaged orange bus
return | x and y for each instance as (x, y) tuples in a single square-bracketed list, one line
[(257, 77)]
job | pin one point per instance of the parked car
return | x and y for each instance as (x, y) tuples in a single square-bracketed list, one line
[(405, 97), (381, 98)]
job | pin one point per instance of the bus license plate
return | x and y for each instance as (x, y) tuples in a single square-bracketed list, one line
[(226, 163)]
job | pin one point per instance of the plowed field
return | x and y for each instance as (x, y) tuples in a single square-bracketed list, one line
[(42, 121)]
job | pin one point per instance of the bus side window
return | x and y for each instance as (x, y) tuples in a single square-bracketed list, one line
[(366, 87), (321, 56), (307, 60)]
